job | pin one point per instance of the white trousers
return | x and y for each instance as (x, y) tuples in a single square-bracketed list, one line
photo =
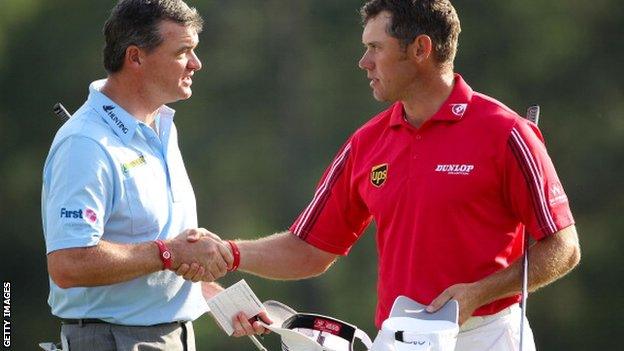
[(497, 332)]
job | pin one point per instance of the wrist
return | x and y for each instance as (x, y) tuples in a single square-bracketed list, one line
[(236, 254), (164, 254)]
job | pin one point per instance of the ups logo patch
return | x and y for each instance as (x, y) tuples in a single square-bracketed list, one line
[(379, 174)]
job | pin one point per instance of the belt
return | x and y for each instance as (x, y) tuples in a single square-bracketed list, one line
[(82, 321), (477, 321)]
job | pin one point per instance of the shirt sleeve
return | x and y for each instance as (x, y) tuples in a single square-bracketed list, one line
[(76, 194), (336, 216), (532, 187)]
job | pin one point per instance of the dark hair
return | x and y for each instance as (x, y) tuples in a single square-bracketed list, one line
[(411, 18), (136, 22)]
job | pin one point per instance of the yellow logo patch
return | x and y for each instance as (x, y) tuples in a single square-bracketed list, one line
[(379, 174), (134, 163)]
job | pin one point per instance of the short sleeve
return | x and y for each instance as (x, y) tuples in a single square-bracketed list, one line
[(77, 188), (532, 187), (336, 216)]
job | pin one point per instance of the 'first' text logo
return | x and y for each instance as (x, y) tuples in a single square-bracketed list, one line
[(87, 214), (65, 213)]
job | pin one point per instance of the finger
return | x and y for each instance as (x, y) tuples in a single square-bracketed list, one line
[(192, 271), (218, 267), (198, 276), (181, 271), (238, 328), (439, 301), (247, 328), (212, 235), (264, 316), (226, 254), (258, 328), (221, 264)]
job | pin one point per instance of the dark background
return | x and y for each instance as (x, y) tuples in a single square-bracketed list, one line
[(279, 93)]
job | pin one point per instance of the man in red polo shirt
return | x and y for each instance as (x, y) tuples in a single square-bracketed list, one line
[(452, 179)]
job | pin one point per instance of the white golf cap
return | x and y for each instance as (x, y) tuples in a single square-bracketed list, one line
[(411, 328), (312, 332)]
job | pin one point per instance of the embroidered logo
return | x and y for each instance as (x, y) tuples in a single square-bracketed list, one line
[(87, 214), (90, 215), (455, 169), (125, 167), (379, 174), (557, 195), (109, 111), (458, 109), (65, 213)]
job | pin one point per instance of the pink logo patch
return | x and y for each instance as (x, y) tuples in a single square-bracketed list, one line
[(90, 215)]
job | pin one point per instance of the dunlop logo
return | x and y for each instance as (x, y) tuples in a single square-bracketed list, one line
[(379, 174)]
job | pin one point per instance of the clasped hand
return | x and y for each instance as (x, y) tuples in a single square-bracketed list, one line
[(200, 255)]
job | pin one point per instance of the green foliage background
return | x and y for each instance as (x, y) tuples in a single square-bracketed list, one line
[(279, 93)]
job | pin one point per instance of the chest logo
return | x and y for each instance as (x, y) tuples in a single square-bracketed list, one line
[(464, 169), (125, 167), (379, 174)]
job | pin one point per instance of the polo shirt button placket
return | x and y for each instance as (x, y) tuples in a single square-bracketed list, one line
[(418, 137)]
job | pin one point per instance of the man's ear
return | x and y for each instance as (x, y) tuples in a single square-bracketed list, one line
[(421, 48), (134, 56)]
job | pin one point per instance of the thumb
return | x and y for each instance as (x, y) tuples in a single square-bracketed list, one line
[(438, 302), (193, 236)]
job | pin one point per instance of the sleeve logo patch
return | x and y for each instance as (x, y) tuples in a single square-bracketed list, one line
[(557, 196), (87, 214), (379, 174)]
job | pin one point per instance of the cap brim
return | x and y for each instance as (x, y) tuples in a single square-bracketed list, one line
[(405, 307), (278, 312)]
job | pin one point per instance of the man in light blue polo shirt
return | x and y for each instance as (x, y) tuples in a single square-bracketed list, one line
[(117, 203)]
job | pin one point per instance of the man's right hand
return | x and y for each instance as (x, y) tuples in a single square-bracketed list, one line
[(205, 258)]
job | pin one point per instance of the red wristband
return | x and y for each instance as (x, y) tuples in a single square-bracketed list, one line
[(236, 254), (165, 254)]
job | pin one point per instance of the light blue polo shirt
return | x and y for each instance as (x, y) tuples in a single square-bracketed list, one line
[(110, 177)]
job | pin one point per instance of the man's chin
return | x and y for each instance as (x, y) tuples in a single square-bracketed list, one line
[(186, 93), (380, 98)]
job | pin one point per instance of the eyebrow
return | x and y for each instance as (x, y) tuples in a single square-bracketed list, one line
[(369, 43), (186, 48)]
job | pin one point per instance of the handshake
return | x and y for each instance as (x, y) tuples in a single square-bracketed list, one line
[(199, 255)]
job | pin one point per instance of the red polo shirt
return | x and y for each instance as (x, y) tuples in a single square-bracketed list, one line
[(451, 199)]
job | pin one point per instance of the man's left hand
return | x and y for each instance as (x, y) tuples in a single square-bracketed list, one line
[(465, 294)]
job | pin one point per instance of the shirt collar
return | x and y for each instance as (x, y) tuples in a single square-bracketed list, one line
[(452, 110), (120, 121)]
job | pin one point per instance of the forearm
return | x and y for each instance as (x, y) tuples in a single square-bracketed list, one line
[(549, 260), (283, 256), (104, 264)]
